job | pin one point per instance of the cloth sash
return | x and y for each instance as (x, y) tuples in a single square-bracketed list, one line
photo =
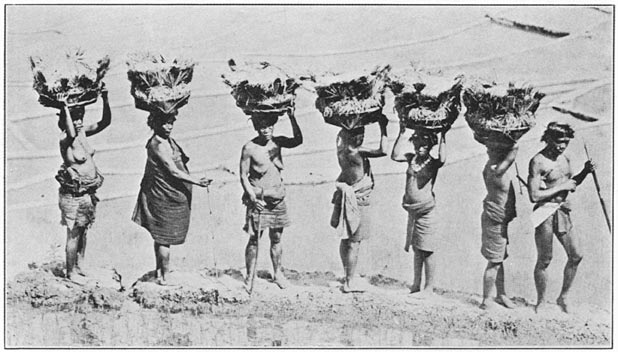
[(346, 216)]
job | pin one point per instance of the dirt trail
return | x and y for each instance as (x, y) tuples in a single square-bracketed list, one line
[(209, 308)]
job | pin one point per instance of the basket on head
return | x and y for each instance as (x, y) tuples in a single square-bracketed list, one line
[(351, 100), (425, 101), (74, 76), (159, 84), (500, 114), (261, 88)]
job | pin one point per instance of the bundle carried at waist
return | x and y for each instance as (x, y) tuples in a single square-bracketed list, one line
[(73, 75), (425, 101), (351, 100), (158, 83), (261, 88), (500, 114)]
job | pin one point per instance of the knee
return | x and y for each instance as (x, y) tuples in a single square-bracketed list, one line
[(575, 258), (275, 237), (253, 241), (543, 262)]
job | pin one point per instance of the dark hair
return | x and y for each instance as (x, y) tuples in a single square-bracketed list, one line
[(420, 134), (263, 119), (356, 131), (158, 118), (80, 110), (556, 131)]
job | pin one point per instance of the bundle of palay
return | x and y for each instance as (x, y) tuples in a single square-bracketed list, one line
[(426, 101), (261, 88), (73, 76), (351, 100), (159, 84), (499, 113)]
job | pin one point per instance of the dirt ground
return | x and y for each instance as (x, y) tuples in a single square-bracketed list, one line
[(212, 309), (207, 310)]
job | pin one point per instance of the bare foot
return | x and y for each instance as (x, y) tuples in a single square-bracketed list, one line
[(357, 285), (80, 271), (77, 279), (424, 294), (540, 307), (248, 285), (505, 301), (562, 303), (281, 281), (488, 305), (415, 289)]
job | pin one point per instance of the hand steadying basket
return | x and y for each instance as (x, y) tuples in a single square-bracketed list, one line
[(351, 100), (74, 75), (261, 88), (159, 84), (500, 115), (426, 102)]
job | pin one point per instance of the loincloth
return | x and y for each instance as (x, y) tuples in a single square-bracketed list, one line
[(422, 223), (351, 212), (274, 215)]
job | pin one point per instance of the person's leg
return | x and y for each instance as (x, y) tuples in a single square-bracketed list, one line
[(418, 270), (430, 270), (71, 250), (276, 252), (501, 297), (349, 258), (163, 254), (543, 237), (81, 252), (570, 242), (251, 253), (489, 281)]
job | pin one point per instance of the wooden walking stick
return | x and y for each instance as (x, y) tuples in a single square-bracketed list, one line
[(596, 183), (257, 244), (519, 179), (214, 252)]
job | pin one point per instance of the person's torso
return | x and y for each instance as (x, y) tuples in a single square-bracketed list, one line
[(79, 156), (500, 189), (553, 173), (156, 175), (353, 165), (265, 169), (419, 181)]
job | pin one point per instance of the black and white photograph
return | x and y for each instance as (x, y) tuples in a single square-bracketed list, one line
[(308, 175)]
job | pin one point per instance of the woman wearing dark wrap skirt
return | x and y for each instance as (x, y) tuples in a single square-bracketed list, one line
[(164, 201)]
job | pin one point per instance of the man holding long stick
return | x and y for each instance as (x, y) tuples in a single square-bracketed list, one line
[(264, 196), (550, 180)]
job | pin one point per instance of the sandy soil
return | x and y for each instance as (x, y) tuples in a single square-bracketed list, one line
[(208, 308), (44, 310)]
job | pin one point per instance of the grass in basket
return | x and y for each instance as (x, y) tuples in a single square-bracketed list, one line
[(351, 93), (262, 85), (425, 99), (155, 78), (501, 109), (72, 73)]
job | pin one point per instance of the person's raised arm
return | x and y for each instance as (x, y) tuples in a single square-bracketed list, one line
[(68, 121), (442, 150), (297, 138), (381, 151), (106, 119), (163, 152), (398, 154), (504, 165), (535, 192)]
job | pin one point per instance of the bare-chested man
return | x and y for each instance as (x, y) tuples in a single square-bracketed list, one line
[(264, 196), (498, 211), (549, 182), (351, 214)]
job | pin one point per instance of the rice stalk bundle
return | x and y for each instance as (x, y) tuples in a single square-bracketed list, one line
[(500, 113), (73, 74), (261, 88), (424, 101), (351, 100), (159, 83)]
